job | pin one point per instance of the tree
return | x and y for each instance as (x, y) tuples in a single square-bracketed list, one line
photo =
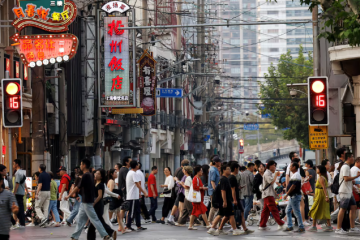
[(285, 112)]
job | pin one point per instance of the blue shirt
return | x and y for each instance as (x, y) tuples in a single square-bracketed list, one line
[(214, 176), (45, 179)]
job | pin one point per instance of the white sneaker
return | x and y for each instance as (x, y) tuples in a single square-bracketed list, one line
[(264, 228), (16, 226), (306, 223), (230, 231), (31, 225), (355, 229), (211, 231), (21, 227), (281, 227), (226, 225), (237, 232), (221, 232), (341, 231)]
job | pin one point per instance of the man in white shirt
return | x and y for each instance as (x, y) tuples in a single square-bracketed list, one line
[(346, 195), (143, 207), (133, 187), (292, 156)]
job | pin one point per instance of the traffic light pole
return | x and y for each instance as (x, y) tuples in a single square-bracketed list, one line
[(7, 75)]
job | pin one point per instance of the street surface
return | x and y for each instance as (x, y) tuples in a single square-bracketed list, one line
[(159, 231)]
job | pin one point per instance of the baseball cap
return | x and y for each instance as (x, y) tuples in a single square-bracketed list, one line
[(61, 169), (282, 180)]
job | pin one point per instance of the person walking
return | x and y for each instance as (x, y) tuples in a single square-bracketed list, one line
[(19, 191), (294, 191), (63, 192), (53, 202), (77, 197), (153, 193), (100, 178), (188, 207), (133, 188), (347, 200), (214, 178), (42, 196), (168, 200), (87, 211), (8, 207), (258, 181), (326, 163), (122, 175), (143, 207), (320, 209), (115, 204), (198, 207), (268, 195), (248, 177), (223, 197)]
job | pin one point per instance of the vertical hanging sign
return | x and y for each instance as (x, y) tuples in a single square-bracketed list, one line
[(147, 81), (118, 89)]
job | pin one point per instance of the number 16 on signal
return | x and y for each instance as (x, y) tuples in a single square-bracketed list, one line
[(12, 103)]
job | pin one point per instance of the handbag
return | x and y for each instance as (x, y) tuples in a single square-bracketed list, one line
[(194, 196), (167, 191), (306, 188)]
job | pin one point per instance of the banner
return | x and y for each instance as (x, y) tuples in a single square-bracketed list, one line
[(147, 80)]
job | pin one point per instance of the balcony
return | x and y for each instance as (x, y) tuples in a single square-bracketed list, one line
[(345, 59)]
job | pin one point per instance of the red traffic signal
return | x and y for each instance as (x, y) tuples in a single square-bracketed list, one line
[(241, 142), (318, 101), (12, 103)]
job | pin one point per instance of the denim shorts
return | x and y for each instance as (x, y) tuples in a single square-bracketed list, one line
[(345, 203)]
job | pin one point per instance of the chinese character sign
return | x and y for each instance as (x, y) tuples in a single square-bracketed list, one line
[(37, 50), (118, 89), (147, 80), (115, 6), (49, 15)]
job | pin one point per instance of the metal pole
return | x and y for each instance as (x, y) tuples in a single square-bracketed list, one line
[(97, 114), (178, 101), (7, 75), (214, 24), (316, 61)]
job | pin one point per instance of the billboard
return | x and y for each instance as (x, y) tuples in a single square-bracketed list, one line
[(118, 90)]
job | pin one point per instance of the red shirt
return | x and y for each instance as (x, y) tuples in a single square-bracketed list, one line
[(152, 180), (65, 179)]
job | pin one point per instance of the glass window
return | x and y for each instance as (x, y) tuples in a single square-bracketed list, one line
[(274, 49), (273, 31), (272, 12), (235, 70)]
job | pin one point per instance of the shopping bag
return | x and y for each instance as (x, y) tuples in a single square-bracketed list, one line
[(206, 200), (306, 188), (194, 196)]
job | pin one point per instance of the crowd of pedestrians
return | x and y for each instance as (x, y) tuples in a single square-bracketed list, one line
[(217, 195)]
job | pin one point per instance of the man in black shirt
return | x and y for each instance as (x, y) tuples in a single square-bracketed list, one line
[(122, 174), (235, 190), (226, 209), (87, 191), (42, 197)]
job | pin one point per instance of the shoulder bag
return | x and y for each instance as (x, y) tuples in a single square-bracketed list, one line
[(194, 196)]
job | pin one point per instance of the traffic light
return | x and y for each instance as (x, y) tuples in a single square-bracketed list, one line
[(12, 103), (318, 99), (241, 142)]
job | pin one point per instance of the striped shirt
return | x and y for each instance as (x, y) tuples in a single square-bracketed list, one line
[(6, 201)]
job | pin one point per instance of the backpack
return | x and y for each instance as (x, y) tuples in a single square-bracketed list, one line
[(335, 186)]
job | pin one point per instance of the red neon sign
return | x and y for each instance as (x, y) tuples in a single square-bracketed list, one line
[(47, 49)]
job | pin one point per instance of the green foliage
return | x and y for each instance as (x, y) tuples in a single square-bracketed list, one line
[(291, 114)]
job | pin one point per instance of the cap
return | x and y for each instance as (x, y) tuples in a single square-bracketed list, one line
[(282, 180), (61, 169), (310, 163)]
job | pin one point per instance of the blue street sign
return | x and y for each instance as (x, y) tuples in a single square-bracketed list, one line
[(206, 138), (251, 126), (169, 92)]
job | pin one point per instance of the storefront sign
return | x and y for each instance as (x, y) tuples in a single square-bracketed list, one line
[(118, 89), (115, 6), (147, 75), (37, 50), (126, 110), (25, 72), (7, 68), (49, 15), (17, 69)]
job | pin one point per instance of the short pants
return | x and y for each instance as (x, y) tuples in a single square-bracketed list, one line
[(345, 203), (228, 211)]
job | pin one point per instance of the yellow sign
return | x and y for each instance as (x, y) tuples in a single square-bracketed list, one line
[(318, 137), (126, 110)]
